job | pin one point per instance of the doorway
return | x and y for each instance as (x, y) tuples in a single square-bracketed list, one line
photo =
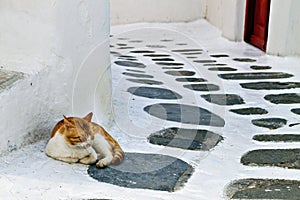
[(256, 23)]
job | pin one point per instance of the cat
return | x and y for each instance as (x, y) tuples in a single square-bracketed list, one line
[(79, 140)]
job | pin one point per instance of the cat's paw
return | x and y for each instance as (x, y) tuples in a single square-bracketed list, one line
[(102, 163)]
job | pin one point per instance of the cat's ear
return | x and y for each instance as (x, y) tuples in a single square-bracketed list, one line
[(67, 122), (88, 117)]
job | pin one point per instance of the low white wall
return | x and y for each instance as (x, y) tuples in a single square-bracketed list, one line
[(63, 47), (284, 28), (131, 11), (228, 16)]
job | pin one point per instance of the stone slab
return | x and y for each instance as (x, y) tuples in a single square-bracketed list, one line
[(296, 111), (167, 40), (250, 111), (115, 53), (244, 59), (154, 93), (137, 71), (205, 61), (172, 68), (146, 81), (277, 138), (163, 59), (126, 56), (294, 124), (191, 80), (137, 75), (270, 85), (123, 38), (130, 64), (202, 87), (219, 55), (129, 59), (255, 75), (135, 41), (157, 46), (191, 139), (214, 64), (186, 50), (126, 48), (286, 98), (180, 73), (181, 44), (170, 63), (258, 67), (263, 189), (224, 99), (185, 114), (286, 158), (192, 53), (145, 171), (156, 55), (270, 123), (142, 51), (222, 69)]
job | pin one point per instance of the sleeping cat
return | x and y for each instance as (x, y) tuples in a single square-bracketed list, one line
[(80, 140)]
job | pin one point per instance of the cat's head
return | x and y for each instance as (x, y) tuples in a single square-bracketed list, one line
[(77, 131)]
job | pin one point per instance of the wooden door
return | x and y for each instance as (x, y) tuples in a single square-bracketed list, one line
[(256, 22)]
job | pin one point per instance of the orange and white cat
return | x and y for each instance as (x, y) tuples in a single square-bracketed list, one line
[(76, 140)]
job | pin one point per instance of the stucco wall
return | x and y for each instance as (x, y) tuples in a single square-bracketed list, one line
[(63, 49), (284, 23), (130, 11), (228, 16), (284, 28)]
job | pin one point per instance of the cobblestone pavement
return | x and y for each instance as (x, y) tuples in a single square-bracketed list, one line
[(199, 117), (174, 78)]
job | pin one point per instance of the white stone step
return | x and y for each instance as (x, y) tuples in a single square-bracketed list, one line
[(29, 106)]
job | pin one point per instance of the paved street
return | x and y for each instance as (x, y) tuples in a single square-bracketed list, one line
[(199, 117)]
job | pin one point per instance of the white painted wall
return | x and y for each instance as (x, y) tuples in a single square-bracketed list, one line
[(131, 11), (228, 16), (63, 47), (284, 23), (284, 28)]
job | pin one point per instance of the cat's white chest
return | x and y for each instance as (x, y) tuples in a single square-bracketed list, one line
[(57, 147)]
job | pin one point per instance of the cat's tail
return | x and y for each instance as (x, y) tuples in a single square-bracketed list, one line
[(118, 155)]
